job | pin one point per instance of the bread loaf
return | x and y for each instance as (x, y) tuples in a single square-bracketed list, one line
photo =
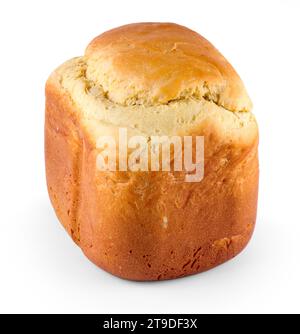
[(152, 79)]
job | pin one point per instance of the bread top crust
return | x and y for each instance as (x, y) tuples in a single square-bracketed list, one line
[(156, 63), (130, 77)]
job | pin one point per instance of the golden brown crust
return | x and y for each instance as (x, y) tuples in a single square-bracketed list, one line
[(147, 225), (153, 63), (63, 154), (208, 222)]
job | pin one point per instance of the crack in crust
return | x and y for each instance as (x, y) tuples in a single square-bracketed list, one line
[(200, 93)]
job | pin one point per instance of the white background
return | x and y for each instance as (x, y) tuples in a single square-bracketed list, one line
[(41, 270)]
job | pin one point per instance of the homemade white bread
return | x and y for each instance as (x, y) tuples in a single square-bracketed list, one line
[(152, 79)]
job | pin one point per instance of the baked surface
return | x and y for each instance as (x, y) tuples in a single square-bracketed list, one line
[(152, 78)]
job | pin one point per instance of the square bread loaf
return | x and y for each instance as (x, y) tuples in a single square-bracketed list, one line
[(152, 79)]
